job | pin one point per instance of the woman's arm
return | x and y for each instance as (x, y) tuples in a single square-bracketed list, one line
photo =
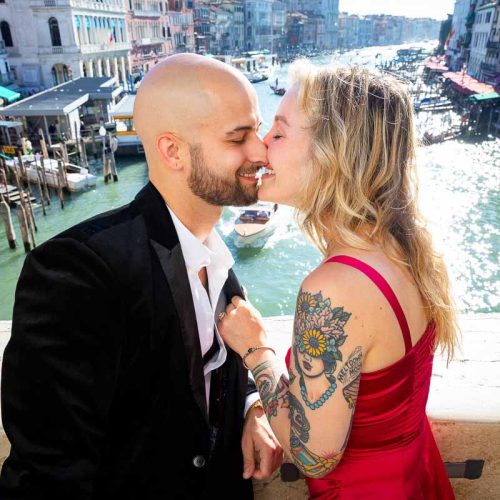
[(310, 411)]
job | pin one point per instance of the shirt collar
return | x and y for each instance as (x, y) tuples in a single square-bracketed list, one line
[(198, 254)]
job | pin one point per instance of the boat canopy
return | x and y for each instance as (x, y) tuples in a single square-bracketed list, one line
[(9, 95), (485, 97)]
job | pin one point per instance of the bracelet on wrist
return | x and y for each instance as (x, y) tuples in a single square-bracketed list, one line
[(252, 350)]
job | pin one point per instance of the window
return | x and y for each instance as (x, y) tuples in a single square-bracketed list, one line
[(55, 36), (6, 34), (488, 17)]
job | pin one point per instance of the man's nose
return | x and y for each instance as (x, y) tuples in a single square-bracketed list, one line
[(258, 151)]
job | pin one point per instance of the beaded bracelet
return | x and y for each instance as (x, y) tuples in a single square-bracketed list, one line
[(252, 350)]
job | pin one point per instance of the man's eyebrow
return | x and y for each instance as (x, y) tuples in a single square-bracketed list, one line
[(242, 128), (281, 118)]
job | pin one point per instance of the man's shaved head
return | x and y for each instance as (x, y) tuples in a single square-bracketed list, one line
[(182, 93)]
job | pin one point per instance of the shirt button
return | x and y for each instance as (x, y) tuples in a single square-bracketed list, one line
[(199, 461)]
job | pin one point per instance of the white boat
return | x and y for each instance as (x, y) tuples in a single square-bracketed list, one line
[(78, 178), (255, 224), (123, 116)]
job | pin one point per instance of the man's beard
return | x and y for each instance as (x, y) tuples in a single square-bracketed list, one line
[(217, 190)]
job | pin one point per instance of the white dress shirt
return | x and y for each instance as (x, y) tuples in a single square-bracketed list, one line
[(214, 255)]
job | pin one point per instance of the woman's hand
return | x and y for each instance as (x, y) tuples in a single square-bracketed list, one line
[(241, 327)]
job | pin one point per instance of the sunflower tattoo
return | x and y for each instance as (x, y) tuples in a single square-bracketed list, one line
[(319, 334), (314, 343)]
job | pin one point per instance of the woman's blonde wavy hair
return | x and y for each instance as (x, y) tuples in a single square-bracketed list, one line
[(363, 175)]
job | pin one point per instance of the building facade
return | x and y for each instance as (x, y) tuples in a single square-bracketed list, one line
[(456, 52), (180, 20), (52, 41), (481, 33), (147, 33)]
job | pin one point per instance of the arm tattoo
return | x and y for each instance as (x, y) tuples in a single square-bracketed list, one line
[(318, 335), (273, 393), (310, 463), (350, 374)]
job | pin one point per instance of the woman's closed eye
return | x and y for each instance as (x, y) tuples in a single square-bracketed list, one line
[(277, 136)]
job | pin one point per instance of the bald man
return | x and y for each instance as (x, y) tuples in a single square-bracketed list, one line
[(116, 383)]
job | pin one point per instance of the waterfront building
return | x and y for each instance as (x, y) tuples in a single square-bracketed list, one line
[(484, 22), (220, 30), (459, 40), (329, 10), (314, 32), (201, 21), (7, 76), (278, 21), (258, 24), (179, 18), (147, 33), (237, 26), (347, 35), (490, 67), (53, 41), (296, 22)]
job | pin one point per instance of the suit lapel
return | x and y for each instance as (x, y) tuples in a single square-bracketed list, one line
[(165, 243), (174, 268)]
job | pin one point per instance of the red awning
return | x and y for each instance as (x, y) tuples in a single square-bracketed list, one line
[(465, 84), (435, 63)]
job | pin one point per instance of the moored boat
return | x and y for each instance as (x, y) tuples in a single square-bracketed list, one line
[(76, 178), (255, 224)]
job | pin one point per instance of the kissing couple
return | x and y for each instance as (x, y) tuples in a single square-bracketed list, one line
[(138, 370)]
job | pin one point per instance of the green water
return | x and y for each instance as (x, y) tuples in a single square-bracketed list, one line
[(459, 195)]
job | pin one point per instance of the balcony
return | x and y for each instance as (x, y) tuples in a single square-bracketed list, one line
[(115, 6), (144, 42), (492, 44), (151, 14), (104, 47), (49, 50), (490, 68)]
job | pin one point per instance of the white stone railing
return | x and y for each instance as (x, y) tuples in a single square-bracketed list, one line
[(463, 406)]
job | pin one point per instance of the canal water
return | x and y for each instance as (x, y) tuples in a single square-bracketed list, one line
[(459, 194)]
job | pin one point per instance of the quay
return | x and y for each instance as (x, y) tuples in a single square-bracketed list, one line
[(463, 406)]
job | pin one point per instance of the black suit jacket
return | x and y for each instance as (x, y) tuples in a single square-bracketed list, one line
[(103, 394)]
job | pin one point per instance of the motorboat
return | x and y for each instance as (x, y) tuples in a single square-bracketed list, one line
[(256, 77), (255, 223), (78, 178)]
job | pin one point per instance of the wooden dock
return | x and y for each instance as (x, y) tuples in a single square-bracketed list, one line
[(464, 407)]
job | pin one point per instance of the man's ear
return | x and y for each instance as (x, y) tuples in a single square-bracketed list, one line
[(169, 146)]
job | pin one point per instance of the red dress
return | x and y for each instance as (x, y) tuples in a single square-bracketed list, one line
[(391, 453)]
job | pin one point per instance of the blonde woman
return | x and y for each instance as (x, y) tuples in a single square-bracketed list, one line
[(351, 411)]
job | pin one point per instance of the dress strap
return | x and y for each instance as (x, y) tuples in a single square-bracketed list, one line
[(384, 287)]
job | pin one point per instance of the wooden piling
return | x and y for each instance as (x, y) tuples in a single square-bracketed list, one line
[(7, 221), (83, 153), (113, 172), (30, 212), (43, 144), (44, 181), (23, 225), (94, 148), (3, 180), (25, 202), (60, 193), (42, 195)]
